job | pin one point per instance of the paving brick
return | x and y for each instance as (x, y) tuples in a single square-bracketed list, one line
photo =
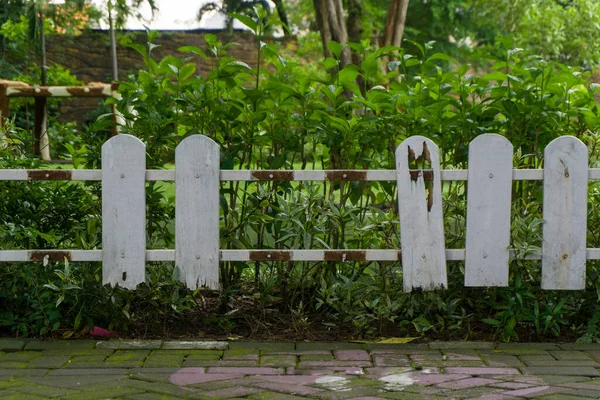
[(48, 362), (580, 371), (482, 371), (527, 346), (287, 388), (406, 347), (165, 389), (580, 346), (105, 393), (277, 361), (350, 355), (329, 346), (466, 383), (555, 363), (319, 364), (86, 362), (532, 392), (150, 396), (317, 357), (273, 396), (164, 360), (87, 371), (45, 391), (62, 345), (391, 361), (241, 354), (23, 356), (195, 345), (220, 363), (502, 360), (195, 361), (461, 345), (11, 345), (246, 371), (127, 358), (80, 382), (264, 346), (130, 344), (22, 372), (511, 385), (446, 364), (431, 355), (461, 355), (570, 355)]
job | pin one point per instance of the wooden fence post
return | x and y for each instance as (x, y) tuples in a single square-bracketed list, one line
[(421, 222), (197, 212), (488, 211), (123, 211), (565, 214)]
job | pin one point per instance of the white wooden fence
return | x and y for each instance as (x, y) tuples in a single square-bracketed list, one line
[(423, 254)]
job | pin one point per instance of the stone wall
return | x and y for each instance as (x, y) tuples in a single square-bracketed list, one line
[(88, 58)]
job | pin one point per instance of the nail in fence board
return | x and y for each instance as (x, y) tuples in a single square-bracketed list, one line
[(565, 214), (421, 222), (197, 212), (488, 211), (123, 211)]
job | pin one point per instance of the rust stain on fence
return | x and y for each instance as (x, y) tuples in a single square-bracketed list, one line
[(261, 255), (55, 255), (345, 255), (346, 175), (273, 175), (415, 174), (48, 175)]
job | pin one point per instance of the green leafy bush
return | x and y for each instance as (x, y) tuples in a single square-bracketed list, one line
[(276, 115)]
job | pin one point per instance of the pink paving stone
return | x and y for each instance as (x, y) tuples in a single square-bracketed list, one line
[(481, 371), (335, 364), (288, 388), (352, 355), (534, 391), (434, 379), (382, 371), (292, 379), (392, 361), (466, 383), (511, 385), (461, 357), (246, 370), (190, 378)]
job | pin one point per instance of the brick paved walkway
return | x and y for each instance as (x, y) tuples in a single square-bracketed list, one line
[(287, 371)]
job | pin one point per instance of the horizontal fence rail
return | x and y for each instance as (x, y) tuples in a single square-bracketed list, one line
[(376, 175), (423, 253)]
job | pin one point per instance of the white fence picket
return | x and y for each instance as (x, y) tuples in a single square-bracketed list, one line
[(421, 222), (488, 211), (123, 211), (565, 214), (197, 212)]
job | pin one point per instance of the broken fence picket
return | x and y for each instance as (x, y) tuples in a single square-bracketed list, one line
[(422, 252)]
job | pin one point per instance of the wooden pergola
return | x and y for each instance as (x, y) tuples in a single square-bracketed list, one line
[(10, 89)]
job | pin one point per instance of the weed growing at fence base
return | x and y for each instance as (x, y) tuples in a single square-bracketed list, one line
[(279, 116)]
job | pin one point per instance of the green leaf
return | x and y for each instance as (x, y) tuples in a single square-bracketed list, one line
[(335, 48), (186, 71), (244, 19), (440, 56), (495, 76), (193, 49)]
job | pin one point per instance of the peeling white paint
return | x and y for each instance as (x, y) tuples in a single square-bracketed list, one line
[(333, 383), (397, 382)]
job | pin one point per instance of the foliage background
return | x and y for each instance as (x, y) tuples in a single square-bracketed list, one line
[(286, 114)]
